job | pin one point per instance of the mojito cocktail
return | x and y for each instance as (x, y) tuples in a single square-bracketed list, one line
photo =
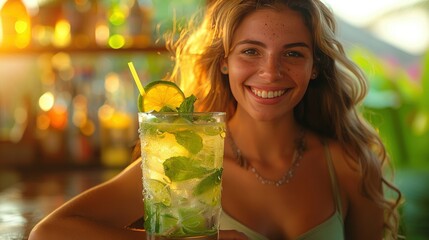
[(182, 155)]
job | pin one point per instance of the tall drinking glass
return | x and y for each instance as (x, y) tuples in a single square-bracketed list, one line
[(182, 155)]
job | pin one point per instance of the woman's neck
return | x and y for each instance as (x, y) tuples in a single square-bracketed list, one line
[(264, 140)]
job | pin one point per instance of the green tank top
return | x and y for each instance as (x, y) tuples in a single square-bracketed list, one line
[(332, 228)]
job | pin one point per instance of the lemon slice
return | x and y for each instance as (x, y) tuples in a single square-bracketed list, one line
[(160, 94)]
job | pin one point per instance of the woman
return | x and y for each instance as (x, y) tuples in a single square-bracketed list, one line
[(300, 162)]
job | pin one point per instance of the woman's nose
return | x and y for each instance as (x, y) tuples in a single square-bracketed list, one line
[(271, 68)]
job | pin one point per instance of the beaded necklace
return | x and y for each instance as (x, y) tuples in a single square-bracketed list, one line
[(287, 176)]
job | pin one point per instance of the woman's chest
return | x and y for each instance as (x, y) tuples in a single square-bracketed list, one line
[(282, 212)]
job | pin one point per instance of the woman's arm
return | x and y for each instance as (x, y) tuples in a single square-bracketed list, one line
[(101, 212)]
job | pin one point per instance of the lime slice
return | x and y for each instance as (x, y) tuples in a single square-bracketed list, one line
[(160, 95), (169, 225), (158, 191), (192, 220)]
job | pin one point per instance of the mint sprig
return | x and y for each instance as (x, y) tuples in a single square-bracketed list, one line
[(183, 168), (209, 182), (189, 140), (187, 106)]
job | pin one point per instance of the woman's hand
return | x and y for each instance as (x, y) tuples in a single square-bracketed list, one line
[(232, 235)]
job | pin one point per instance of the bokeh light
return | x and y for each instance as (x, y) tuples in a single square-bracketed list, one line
[(46, 101)]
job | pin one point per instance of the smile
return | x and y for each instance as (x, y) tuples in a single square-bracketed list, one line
[(267, 94)]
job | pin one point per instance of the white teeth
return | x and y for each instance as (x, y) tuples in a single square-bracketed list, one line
[(268, 94)]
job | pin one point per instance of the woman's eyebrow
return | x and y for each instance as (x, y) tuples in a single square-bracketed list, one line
[(248, 41), (296, 44), (258, 43)]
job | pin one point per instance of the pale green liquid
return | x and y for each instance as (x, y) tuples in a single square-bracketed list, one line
[(182, 166)]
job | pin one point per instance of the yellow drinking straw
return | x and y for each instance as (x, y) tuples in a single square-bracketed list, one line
[(136, 78)]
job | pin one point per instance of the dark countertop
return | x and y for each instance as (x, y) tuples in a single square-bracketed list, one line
[(28, 196)]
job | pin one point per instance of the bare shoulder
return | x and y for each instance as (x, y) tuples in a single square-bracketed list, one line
[(349, 170), (363, 216), (346, 167)]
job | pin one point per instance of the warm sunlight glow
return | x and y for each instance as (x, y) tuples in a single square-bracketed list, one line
[(408, 31)]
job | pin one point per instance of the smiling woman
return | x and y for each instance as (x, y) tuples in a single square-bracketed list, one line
[(293, 50), (300, 162)]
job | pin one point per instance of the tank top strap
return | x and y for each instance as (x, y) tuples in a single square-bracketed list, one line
[(332, 174)]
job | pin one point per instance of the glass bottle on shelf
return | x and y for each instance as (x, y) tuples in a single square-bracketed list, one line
[(54, 106), (52, 128), (83, 127), (62, 32), (116, 124), (15, 28), (140, 23), (82, 16), (116, 13), (44, 24), (80, 145), (101, 32)]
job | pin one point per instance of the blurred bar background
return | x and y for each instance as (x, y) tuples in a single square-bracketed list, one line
[(68, 101), (67, 97)]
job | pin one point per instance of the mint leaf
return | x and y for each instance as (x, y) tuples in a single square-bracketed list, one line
[(167, 109), (209, 182), (189, 140), (182, 168), (187, 106), (152, 211)]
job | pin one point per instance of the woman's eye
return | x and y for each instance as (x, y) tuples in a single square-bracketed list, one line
[(250, 52), (292, 54)]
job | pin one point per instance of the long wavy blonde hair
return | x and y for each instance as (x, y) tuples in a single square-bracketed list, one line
[(330, 105)]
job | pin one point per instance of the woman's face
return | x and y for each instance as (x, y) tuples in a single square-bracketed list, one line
[(270, 63)]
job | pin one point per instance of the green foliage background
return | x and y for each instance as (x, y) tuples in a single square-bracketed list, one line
[(398, 107)]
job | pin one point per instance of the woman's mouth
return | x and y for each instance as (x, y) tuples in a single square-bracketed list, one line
[(267, 94)]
